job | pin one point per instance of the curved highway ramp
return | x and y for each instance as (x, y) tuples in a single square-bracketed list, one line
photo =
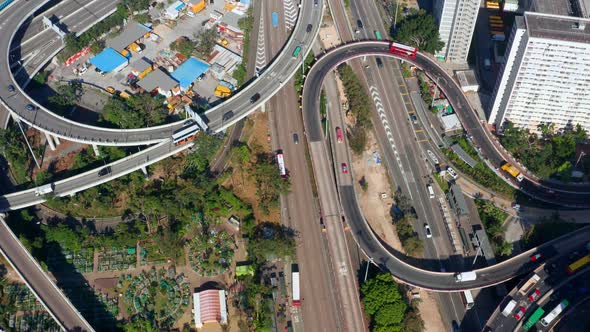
[(52, 298)]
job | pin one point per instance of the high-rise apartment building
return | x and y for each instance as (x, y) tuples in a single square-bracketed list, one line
[(546, 75), (456, 22)]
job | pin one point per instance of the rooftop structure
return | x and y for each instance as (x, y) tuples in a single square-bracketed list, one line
[(224, 61), (456, 22), (463, 155), (544, 79), (450, 122), (130, 34), (189, 71), (209, 306), (467, 80), (173, 11), (160, 80), (140, 64), (109, 60), (555, 7), (229, 25), (457, 201)]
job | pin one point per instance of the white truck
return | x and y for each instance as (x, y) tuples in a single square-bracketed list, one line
[(529, 284), (509, 308), (44, 189), (465, 276)]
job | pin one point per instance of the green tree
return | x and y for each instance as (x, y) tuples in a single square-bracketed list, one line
[(358, 140), (67, 94), (137, 325), (269, 182), (184, 46), (384, 303), (206, 42), (269, 241), (419, 31), (117, 113)]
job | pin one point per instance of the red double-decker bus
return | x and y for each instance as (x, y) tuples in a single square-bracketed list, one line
[(403, 50)]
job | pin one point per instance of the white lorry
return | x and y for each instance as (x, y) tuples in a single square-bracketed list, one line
[(509, 308), (465, 276), (44, 189)]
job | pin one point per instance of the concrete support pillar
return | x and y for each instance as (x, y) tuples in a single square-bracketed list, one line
[(49, 141), (56, 139), (96, 151), (145, 172)]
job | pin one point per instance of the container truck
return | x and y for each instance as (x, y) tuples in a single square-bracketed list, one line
[(465, 276), (44, 189), (529, 284), (512, 171)]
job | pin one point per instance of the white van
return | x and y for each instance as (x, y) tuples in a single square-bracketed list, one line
[(430, 191), (509, 308)]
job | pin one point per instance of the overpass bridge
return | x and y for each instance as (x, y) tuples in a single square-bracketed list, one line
[(51, 297)]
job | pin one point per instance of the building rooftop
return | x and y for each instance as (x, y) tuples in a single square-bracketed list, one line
[(157, 79), (457, 201), (188, 72), (108, 60), (141, 64), (450, 122), (231, 19), (209, 306), (564, 28), (131, 32), (555, 7)]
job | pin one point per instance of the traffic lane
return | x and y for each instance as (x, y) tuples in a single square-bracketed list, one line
[(88, 179), (341, 261), (322, 313), (55, 300)]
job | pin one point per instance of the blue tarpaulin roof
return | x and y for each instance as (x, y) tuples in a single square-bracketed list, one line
[(188, 72), (108, 60)]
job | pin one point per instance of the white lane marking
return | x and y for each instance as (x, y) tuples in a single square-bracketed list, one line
[(260, 47), (385, 123), (290, 13)]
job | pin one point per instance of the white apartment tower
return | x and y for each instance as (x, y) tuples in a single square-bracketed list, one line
[(456, 22), (546, 75)]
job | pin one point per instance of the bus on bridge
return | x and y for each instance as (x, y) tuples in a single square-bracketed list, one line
[(403, 50)]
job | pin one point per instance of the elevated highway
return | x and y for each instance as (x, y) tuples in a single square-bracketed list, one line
[(384, 256), (51, 297), (241, 105)]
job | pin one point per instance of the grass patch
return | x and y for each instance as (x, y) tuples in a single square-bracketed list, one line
[(493, 221), (442, 183)]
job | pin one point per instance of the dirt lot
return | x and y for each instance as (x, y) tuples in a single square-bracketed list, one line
[(430, 314)]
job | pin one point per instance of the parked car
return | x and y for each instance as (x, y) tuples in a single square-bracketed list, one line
[(452, 173), (11, 88), (30, 107), (344, 168), (414, 119)]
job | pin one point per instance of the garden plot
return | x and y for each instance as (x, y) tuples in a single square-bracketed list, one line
[(23, 312), (117, 259), (60, 260), (160, 296), (211, 252)]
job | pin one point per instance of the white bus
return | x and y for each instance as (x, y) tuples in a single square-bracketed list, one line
[(281, 163), (430, 191), (186, 133), (295, 286), (467, 299), (554, 313)]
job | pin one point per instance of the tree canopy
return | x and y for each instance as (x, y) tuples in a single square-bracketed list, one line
[(137, 111), (420, 31), (384, 303), (549, 154)]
